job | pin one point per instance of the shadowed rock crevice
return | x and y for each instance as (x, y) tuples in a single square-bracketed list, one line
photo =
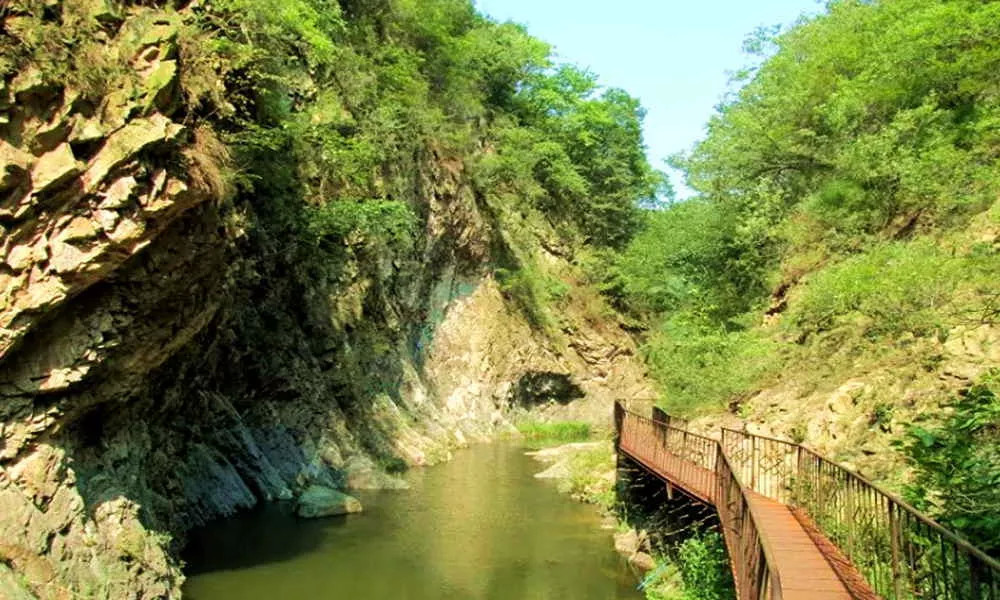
[(536, 388)]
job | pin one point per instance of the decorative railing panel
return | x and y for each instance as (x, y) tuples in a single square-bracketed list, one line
[(767, 466), (686, 458)]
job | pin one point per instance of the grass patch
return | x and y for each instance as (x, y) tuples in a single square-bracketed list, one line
[(538, 434), (589, 479)]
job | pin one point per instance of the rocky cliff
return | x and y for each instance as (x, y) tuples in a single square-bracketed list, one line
[(166, 358)]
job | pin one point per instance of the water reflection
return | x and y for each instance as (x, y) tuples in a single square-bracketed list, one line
[(478, 528)]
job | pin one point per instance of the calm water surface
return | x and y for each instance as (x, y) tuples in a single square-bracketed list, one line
[(479, 527)]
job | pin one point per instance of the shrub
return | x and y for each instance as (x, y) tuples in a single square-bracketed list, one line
[(957, 466), (704, 568), (386, 220), (893, 289), (699, 253), (697, 569), (700, 366)]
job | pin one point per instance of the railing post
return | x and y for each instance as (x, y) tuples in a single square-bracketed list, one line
[(618, 417), (849, 500), (897, 579), (796, 479)]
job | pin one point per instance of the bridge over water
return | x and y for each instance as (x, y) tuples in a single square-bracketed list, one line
[(800, 527)]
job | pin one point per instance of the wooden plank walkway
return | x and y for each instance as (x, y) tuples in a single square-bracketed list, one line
[(804, 571), (765, 491)]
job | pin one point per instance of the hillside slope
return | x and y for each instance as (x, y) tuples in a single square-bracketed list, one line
[(834, 281)]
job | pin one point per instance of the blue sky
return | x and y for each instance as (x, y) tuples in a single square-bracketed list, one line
[(675, 55)]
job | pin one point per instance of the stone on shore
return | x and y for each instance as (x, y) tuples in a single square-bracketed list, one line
[(321, 501)]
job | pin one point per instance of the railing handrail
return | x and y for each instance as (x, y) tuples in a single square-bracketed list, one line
[(757, 435), (686, 432), (913, 511), (765, 545)]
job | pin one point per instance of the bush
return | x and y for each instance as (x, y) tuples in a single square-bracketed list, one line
[(704, 567), (700, 366), (957, 466), (699, 570), (894, 289), (699, 253), (386, 220)]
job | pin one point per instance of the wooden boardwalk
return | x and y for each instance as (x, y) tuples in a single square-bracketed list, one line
[(779, 501), (797, 560), (805, 571)]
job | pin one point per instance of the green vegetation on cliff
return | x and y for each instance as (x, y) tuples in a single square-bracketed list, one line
[(335, 103), (335, 109)]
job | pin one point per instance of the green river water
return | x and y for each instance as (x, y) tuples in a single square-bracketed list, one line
[(479, 527)]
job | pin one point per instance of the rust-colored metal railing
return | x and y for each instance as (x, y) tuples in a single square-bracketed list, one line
[(662, 416), (698, 465), (751, 559), (901, 553), (687, 459)]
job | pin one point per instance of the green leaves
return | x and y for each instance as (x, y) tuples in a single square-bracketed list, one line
[(375, 219), (705, 568), (701, 366), (695, 255), (957, 465), (360, 91), (577, 153), (881, 98), (896, 288), (833, 190)]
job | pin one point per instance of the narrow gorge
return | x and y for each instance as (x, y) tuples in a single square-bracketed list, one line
[(263, 257)]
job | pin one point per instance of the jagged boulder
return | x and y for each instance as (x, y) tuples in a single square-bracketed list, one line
[(54, 168), (15, 163)]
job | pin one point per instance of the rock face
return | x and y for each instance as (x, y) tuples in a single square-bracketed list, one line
[(164, 363), (320, 501), (487, 360)]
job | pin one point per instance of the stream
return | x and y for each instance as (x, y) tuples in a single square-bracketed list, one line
[(479, 527)]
